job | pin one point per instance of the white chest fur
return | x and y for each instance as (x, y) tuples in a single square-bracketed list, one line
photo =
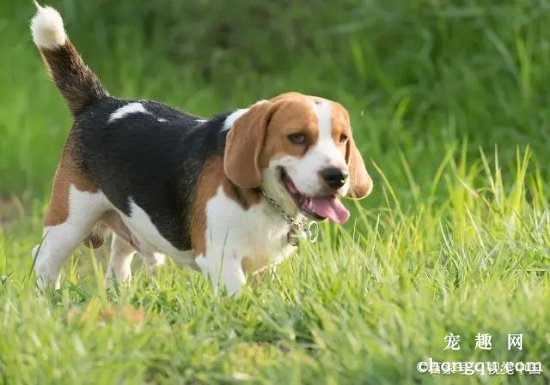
[(233, 234)]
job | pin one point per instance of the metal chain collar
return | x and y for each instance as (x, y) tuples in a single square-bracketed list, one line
[(299, 229)]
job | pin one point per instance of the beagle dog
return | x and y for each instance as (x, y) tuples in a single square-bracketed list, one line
[(228, 195)]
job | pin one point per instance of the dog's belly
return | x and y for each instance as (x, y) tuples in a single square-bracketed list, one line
[(138, 229)]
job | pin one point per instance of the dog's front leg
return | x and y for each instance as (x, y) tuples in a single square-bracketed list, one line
[(224, 271)]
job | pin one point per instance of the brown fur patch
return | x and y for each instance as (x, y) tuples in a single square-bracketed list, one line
[(212, 176), (68, 173), (341, 125)]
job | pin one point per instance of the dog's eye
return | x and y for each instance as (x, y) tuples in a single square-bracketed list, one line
[(297, 138), (343, 138)]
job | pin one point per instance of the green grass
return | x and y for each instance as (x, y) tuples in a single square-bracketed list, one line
[(449, 106)]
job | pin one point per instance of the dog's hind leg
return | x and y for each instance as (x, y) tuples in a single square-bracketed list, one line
[(122, 253), (75, 207)]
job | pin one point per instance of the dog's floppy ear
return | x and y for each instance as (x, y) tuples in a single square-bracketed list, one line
[(244, 143), (360, 181)]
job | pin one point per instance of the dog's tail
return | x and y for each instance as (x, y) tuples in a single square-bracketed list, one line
[(77, 83)]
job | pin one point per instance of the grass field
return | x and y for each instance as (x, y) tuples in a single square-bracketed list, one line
[(450, 107)]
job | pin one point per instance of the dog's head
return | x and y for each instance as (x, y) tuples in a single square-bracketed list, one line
[(300, 150)]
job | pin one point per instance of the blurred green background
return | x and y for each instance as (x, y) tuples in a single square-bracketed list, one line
[(449, 105), (419, 77)]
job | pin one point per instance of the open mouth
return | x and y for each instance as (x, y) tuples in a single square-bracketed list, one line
[(315, 207)]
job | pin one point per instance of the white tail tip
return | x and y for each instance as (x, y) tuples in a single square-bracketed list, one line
[(47, 28)]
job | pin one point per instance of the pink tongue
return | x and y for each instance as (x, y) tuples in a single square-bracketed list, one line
[(330, 207)]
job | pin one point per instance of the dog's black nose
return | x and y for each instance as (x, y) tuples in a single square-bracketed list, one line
[(334, 177)]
